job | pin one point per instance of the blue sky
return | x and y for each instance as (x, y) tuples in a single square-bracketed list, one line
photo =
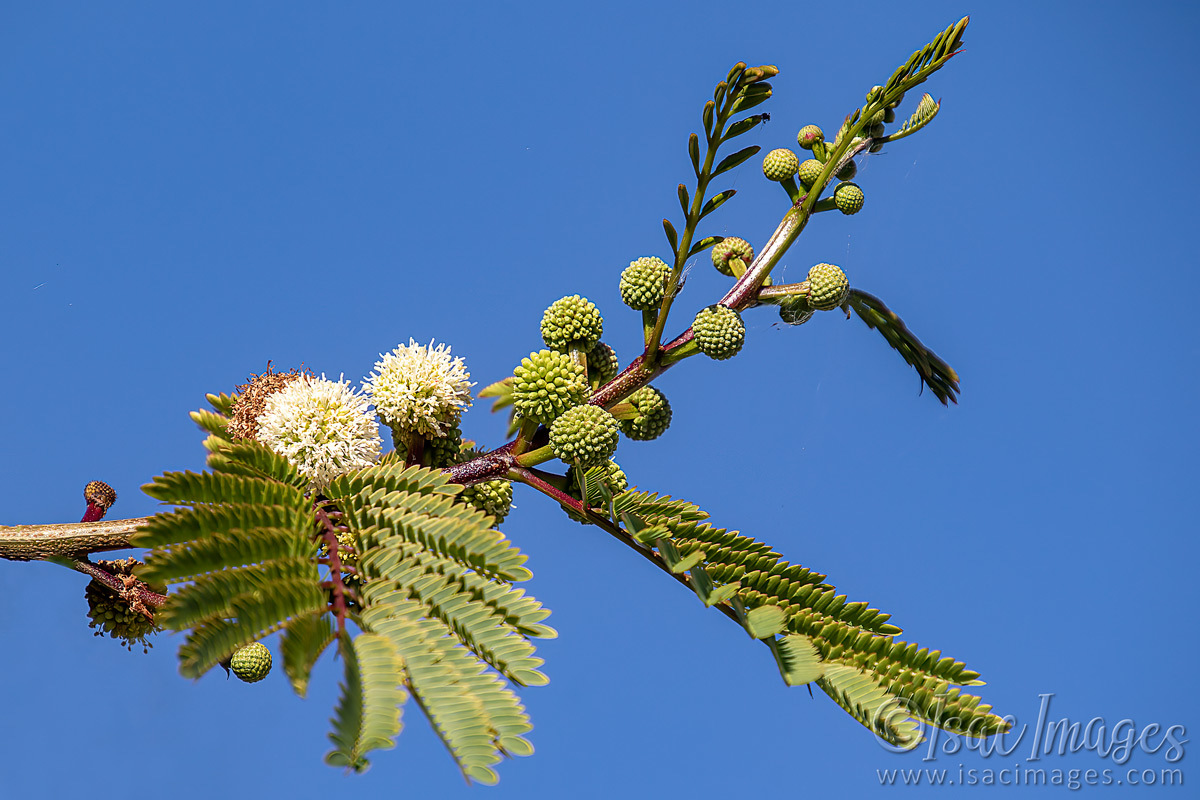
[(191, 191)]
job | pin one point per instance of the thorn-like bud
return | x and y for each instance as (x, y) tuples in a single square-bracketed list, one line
[(781, 164), (848, 198)]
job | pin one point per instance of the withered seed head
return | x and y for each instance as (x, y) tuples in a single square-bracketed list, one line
[(99, 497), (251, 399)]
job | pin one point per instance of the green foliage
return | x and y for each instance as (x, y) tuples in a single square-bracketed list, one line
[(935, 373), (433, 600), (816, 635)]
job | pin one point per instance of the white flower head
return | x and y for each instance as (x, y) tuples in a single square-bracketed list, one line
[(323, 427), (419, 388)]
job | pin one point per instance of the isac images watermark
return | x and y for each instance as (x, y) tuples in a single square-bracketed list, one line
[(1032, 755)]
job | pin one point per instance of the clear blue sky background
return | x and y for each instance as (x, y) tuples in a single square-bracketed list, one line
[(189, 191)]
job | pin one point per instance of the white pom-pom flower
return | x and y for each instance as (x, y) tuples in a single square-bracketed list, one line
[(323, 427), (419, 388)]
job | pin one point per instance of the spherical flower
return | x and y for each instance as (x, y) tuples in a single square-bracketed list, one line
[(781, 164), (719, 332), (848, 198), (571, 320), (323, 427), (809, 135), (810, 170), (546, 384), (729, 248), (420, 388), (653, 414), (644, 283), (584, 436), (251, 663), (829, 287), (493, 498), (602, 363)]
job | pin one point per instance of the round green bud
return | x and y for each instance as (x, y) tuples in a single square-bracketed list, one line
[(571, 320), (875, 131), (493, 498), (546, 384), (848, 171), (444, 451), (875, 148), (795, 310), (889, 115), (781, 164), (584, 436), (874, 92), (729, 248), (848, 198), (809, 135), (719, 332), (609, 474), (653, 415), (644, 283), (602, 363), (251, 663), (810, 170), (829, 287)]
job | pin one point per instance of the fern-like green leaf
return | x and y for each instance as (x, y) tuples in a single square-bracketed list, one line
[(368, 714), (935, 373), (190, 488), (190, 524), (209, 597), (237, 548), (303, 640), (254, 460), (927, 109), (875, 708), (254, 615)]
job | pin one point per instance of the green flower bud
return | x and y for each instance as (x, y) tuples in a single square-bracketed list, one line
[(795, 310), (584, 436), (781, 164), (848, 171), (654, 415), (889, 115), (493, 498), (444, 451), (829, 287), (251, 663), (546, 384), (602, 363), (808, 136), (644, 283), (571, 320), (848, 198), (875, 131), (719, 332), (730, 248), (810, 170)]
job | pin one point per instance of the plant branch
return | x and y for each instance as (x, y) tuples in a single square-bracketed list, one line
[(66, 540)]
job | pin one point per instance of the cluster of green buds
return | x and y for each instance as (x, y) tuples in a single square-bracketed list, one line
[(115, 616)]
